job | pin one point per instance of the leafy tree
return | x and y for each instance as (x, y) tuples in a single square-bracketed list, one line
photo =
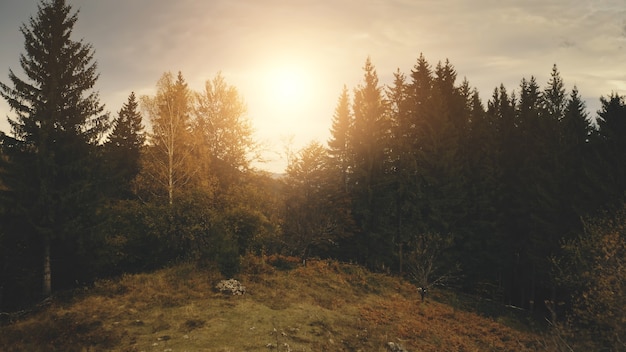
[(124, 145), (225, 148), (225, 134), (426, 260), (169, 161), (51, 155), (593, 269), (254, 212)]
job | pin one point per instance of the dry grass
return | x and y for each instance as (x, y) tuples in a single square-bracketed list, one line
[(325, 306)]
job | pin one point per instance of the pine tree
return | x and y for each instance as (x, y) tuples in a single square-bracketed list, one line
[(576, 125), (315, 216), (501, 115), (401, 168), (420, 88), (368, 136), (440, 163), (339, 143), (59, 120), (124, 145), (610, 144), (484, 187), (580, 189), (554, 98), (420, 92)]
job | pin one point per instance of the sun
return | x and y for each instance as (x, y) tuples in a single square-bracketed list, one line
[(289, 87)]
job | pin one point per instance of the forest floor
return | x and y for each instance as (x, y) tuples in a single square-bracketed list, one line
[(323, 306)]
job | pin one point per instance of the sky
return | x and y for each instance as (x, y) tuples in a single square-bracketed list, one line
[(289, 60)]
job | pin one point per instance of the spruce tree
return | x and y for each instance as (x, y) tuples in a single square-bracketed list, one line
[(52, 148), (442, 164), (401, 168), (580, 191), (316, 214), (339, 143), (554, 98), (501, 112), (368, 136), (123, 147), (484, 187), (610, 144), (420, 88)]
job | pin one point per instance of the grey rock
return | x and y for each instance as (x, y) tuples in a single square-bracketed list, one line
[(394, 347), (232, 287)]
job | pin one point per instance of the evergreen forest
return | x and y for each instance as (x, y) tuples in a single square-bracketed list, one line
[(518, 199)]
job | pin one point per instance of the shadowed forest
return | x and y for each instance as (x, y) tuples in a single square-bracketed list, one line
[(519, 200)]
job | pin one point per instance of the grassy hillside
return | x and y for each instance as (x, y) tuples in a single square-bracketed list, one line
[(325, 306)]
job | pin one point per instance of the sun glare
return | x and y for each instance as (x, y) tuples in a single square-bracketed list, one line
[(289, 90), (289, 87)]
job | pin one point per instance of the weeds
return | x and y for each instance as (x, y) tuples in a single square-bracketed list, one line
[(323, 306)]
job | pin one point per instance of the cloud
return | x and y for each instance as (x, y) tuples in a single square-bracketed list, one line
[(488, 41)]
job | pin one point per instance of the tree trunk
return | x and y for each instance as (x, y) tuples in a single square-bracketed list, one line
[(401, 259), (170, 175), (47, 273)]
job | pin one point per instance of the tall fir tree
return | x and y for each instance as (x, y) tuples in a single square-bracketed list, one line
[(610, 144), (442, 163), (401, 169), (123, 147), (52, 151), (420, 87), (580, 189), (339, 142), (316, 217), (554, 97), (501, 114), (368, 136), (484, 175)]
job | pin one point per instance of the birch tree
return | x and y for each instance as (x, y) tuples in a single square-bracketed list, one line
[(169, 160)]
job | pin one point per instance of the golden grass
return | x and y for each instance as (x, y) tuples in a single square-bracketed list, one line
[(325, 306)]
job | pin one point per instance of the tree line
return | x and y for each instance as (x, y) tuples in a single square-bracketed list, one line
[(501, 201), (518, 201)]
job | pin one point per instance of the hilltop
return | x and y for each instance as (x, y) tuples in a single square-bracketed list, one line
[(323, 306)]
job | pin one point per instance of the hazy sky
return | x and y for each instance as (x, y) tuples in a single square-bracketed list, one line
[(324, 44)]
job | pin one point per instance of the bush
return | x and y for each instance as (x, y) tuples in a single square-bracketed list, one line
[(283, 262), (227, 257), (594, 269)]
